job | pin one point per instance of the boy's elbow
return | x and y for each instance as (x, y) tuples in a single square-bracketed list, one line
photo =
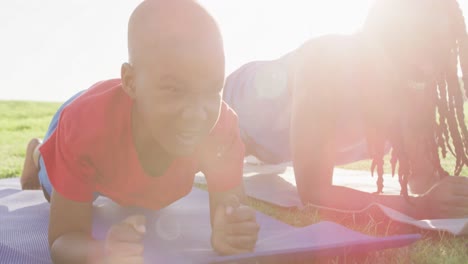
[(60, 251), (55, 252), (76, 248)]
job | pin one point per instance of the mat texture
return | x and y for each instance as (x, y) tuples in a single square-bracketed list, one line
[(276, 184), (179, 233)]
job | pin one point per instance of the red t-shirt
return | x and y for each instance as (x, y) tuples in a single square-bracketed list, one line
[(92, 150)]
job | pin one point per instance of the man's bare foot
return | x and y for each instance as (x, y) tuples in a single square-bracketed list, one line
[(29, 177)]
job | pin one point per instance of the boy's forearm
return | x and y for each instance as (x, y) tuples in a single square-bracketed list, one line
[(77, 248), (218, 198)]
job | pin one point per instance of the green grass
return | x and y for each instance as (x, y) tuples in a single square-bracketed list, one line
[(20, 121), (448, 164)]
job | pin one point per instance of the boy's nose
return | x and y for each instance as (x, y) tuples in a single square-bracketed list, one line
[(195, 111)]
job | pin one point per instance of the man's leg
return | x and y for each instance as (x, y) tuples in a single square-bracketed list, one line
[(29, 177)]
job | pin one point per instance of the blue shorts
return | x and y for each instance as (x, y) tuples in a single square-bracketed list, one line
[(43, 176)]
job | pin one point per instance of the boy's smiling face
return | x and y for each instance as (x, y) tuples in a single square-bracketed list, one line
[(178, 94), (175, 75)]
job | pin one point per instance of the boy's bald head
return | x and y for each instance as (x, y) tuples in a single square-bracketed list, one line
[(175, 75), (157, 24)]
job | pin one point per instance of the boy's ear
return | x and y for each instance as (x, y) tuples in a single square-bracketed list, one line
[(127, 76)]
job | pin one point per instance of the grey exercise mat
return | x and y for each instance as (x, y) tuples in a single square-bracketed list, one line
[(276, 184), (178, 234)]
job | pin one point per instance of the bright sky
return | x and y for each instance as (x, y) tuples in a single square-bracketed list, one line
[(51, 49)]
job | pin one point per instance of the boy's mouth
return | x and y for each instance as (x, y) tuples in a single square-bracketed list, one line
[(188, 138)]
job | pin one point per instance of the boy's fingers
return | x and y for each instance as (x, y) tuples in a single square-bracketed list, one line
[(131, 229), (125, 260), (138, 222), (114, 248), (226, 249), (219, 218), (241, 214), (125, 233), (242, 228), (231, 203), (242, 242)]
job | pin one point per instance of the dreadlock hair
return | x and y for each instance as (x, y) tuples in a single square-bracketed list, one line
[(439, 120)]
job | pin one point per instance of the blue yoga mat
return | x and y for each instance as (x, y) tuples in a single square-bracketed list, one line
[(179, 233)]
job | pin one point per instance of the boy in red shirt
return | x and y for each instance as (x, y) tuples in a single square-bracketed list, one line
[(139, 140)]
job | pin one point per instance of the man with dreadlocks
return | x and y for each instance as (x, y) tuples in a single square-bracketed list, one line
[(339, 99)]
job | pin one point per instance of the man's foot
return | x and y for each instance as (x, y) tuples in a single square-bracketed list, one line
[(29, 177)]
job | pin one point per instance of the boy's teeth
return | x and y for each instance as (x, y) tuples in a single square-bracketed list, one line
[(186, 135)]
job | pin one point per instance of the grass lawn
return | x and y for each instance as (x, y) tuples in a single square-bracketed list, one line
[(20, 121)]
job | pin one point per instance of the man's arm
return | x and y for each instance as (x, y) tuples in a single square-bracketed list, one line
[(312, 141), (313, 131)]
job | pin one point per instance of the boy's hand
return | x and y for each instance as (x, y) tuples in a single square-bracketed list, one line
[(235, 229), (123, 241)]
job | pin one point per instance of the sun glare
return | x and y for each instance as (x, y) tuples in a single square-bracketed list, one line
[(336, 16), (53, 56), (263, 29)]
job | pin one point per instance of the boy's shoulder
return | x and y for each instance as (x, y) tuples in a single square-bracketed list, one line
[(221, 156), (98, 113), (224, 133), (227, 120), (99, 97)]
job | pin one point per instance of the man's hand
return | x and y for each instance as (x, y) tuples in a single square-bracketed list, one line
[(123, 241), (446, 199), (235, 229)]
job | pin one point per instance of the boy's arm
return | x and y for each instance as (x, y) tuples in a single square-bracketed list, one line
[(70, 235), (234, 226), (222, 198), (70, 226)]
